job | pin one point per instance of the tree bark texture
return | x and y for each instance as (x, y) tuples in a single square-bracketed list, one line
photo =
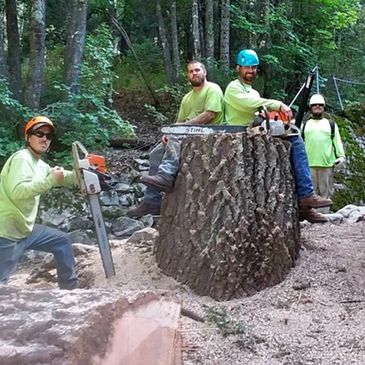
[(224, 35), (3, 64), (230, 227), (75, 44), (165, 44), (175, 40), (36, 54), (196, 31), (14, 62), (209, 34)]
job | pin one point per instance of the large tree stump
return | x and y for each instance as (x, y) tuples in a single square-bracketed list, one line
[(230, 227)]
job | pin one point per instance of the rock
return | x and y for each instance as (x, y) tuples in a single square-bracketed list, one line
[(33, 256), (147, 234), (138, 189), (81, 249), (142, 162), (335, 218), (81, 236), (112, 212), (352, 213), (126, 200), (53, 218), (148, 220), (346, 211), (123, 188), (78, 223), (109, 198), (125, 226)]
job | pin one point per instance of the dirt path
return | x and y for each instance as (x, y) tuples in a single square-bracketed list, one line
[(316, 316)]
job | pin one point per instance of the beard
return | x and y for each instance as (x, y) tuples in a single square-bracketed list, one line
[(248, 77), (317, 115), (197, 81)]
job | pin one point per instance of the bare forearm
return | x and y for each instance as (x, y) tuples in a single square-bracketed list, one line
[(203, 118)]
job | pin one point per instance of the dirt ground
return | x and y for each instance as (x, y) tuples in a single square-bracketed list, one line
[(315, 316)]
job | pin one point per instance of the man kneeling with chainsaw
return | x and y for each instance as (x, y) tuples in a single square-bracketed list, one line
[(241, 104), (202, 105), (23, 178)]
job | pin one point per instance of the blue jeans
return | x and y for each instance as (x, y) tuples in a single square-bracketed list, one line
[(46, 239), (300, 166), (164, 160)]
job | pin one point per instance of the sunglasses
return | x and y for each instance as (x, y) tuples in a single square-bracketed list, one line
[(41, 134)]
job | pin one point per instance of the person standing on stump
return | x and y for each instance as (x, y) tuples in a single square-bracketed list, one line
[(324, 147), (202, 105), (24, 177), (242, 102)]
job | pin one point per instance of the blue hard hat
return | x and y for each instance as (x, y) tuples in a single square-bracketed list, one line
[(247, 57)]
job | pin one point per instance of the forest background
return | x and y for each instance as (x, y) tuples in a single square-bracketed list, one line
[(70, 59)]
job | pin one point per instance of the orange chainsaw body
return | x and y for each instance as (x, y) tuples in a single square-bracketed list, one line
[(97, 162)]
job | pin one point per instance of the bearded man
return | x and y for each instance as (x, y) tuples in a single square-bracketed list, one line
[(202, 105)]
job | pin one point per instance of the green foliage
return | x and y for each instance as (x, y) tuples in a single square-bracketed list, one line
[(170, 98), (12, 116), (293, 36), (151, 60), (351, 128), (97, 72), (86, 117)]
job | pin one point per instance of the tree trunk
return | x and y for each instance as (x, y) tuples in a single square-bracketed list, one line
[(175, 41), (124, 34), (36, 54), (209, 35), (75, 45), (230, 227), (165, 44), (196, 31), (14, 63), (224, 36), (3, 65)]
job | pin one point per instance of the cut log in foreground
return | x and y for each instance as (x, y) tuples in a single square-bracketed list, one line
[(230, 227)]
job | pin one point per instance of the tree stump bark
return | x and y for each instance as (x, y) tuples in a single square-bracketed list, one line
[(230, 227)]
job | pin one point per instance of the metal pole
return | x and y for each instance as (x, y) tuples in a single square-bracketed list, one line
[(317, 79), (337, 92), (305, 96)]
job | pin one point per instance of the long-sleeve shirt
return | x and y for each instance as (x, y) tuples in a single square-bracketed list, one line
[(22, 180), (318, 143), (241, 102)]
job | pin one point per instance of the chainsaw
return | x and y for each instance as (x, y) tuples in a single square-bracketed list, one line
[(201, 129), (274, 123), (92, 178)]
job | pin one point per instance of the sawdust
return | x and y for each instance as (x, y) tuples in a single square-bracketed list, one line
[(315, 316)]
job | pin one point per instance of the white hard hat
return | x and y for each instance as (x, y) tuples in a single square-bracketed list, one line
[(317, 99)]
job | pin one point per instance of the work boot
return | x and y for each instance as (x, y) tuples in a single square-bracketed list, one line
[(311, 215), (314, 201), (143, 209), (158, 182)]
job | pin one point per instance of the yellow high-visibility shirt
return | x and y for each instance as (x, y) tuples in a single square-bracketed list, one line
[(22, 180), (241, 102)]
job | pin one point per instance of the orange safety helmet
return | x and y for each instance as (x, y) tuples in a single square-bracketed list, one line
[(37, 122)]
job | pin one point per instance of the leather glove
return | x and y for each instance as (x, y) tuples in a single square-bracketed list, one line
[(340, 161)]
